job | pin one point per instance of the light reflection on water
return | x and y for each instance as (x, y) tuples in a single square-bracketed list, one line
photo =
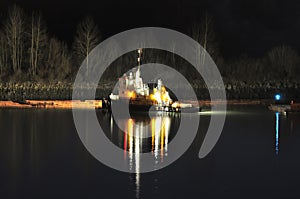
[(134, 143), (159, 128), (210, 113), (277, 133), (40, 146), (284, 127)]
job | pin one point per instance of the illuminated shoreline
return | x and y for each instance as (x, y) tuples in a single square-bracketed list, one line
[(53, 104), (91, 104)]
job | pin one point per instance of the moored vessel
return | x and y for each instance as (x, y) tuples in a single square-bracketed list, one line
[(136, 94)]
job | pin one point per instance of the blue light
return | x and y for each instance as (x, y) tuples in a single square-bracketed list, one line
[(277, 97)]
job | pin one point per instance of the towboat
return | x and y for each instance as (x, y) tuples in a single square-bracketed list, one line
[(134, 92)]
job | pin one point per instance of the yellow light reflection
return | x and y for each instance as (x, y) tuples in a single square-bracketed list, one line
[(130, 142), (134, 143), (152, 133)]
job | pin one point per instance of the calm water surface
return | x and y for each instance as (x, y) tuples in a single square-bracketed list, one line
[(41, 156)]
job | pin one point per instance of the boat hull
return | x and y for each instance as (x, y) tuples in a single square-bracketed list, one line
[(138, 106)]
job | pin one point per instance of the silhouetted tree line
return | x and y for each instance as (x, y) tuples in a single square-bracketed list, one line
[(29, 54)]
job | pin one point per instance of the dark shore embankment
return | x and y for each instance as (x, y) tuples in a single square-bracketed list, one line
[(257, 91), (63, 91)]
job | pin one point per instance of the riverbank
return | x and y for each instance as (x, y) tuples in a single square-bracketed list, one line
[(91, 104), (37, 91), (20, 92), (53, 104)]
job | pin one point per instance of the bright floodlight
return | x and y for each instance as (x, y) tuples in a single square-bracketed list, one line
[(277, 97)]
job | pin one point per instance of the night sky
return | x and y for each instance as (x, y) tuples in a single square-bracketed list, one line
[(251, 27)]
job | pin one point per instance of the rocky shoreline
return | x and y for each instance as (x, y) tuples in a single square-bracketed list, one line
[(20, 92), (29, 91)]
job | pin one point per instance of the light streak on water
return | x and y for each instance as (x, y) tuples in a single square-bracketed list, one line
[(111, 125), (167, 130), (158, 124), (277, 134), (137, 162), (222, 113), (133, 143), (130, 140)]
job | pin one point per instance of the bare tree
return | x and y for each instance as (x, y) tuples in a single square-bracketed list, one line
[(244, 68), (65, 62), (3, 53), (87, 37), (38, 37), (53, 53), (58, 64), (15, 35), (282, 62), (204, 33)]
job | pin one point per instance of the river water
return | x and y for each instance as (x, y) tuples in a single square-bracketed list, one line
[(257, 155)]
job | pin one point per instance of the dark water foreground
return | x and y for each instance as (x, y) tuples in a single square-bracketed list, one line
[(257, 156)]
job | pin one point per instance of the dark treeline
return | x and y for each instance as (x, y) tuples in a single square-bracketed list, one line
[(29, 55)]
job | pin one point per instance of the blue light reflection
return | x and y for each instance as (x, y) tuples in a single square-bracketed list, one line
[(277, 134)]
